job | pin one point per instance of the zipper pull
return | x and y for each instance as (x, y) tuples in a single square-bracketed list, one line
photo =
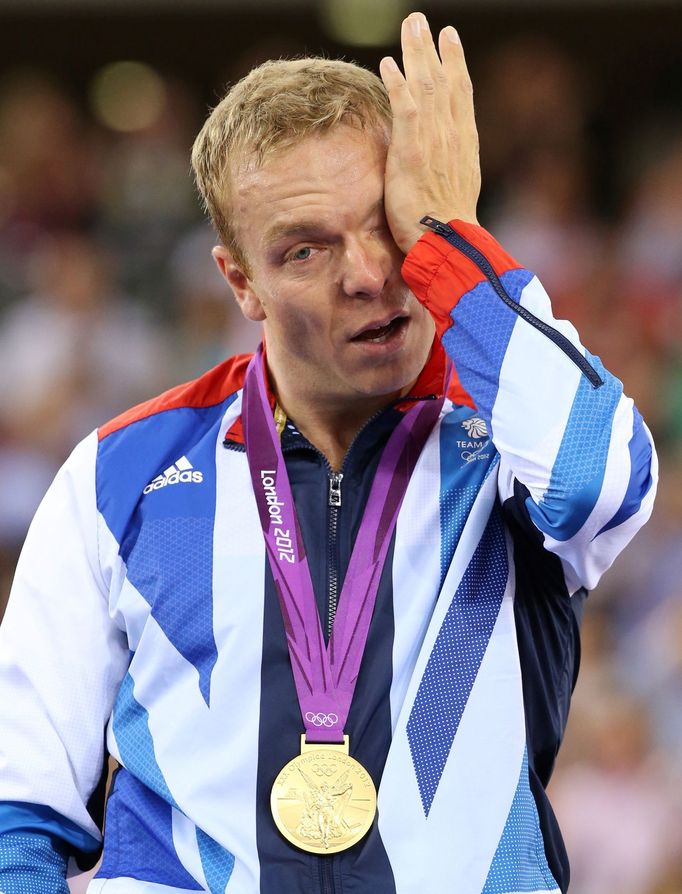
[(335, 488), (437, 226)]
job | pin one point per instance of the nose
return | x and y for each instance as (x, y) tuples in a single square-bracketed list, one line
[(368, 264)]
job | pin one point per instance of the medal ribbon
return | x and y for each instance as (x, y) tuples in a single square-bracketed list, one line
[(325, 676)]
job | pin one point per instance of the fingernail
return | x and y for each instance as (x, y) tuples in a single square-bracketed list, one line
[(451, 34), (416, 24), (390, 63)]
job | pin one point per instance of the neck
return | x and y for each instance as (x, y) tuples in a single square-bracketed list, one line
[(329, 424), (330, 428)]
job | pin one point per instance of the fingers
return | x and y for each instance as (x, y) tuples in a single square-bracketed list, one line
[(426, 78), (405, 118), (434, 97), (432, 162), (419, 57), (433, 78), (459, 82)]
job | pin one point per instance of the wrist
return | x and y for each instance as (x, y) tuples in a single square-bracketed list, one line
[(438, 272)]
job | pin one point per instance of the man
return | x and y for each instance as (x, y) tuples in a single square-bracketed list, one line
[(378, 534)]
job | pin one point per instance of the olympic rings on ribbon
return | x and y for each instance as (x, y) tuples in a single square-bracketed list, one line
[(321, 719)]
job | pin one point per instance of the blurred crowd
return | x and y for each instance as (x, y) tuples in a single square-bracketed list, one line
[(108, 295)]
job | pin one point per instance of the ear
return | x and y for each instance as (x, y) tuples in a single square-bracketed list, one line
[(249, 303)]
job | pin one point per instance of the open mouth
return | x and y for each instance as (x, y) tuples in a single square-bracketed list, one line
[(384, 333)]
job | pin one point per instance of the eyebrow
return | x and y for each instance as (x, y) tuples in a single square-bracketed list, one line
[(285, 230), (309, 228)]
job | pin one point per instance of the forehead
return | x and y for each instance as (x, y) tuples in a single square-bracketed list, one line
[(337, 172)]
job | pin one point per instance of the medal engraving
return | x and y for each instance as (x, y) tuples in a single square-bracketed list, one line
[(323, 801)]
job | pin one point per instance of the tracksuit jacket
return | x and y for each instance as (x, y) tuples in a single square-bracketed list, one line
[(144, 620)]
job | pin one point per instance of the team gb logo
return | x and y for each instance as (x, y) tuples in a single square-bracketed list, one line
[(475, 427)]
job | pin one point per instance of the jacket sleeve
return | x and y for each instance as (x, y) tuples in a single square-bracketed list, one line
[(32, 863), (574, 451), (61, 662)]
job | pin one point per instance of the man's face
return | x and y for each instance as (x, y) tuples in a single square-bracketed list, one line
[(324, 272)]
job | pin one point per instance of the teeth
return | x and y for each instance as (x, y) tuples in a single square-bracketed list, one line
[(382, 333), (375, 334)]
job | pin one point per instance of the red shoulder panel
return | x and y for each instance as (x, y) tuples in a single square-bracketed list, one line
[(206, 391)]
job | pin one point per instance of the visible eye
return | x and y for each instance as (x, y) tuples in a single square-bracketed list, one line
[(300, 254)]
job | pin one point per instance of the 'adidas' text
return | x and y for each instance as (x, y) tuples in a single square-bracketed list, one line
[(181, 472)]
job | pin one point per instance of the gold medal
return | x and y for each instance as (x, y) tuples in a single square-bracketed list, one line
[(323, 800)]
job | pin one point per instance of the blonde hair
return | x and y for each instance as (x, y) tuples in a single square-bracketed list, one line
[(276, 105)]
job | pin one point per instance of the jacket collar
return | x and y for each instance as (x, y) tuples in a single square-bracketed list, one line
[(438, 377)]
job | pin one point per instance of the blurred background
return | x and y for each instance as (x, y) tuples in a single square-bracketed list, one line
[(108, 293)]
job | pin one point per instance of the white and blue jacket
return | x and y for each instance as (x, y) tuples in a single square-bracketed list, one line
[(144, 621)]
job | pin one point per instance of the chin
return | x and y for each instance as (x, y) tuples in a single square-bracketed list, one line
[(389, 371), (391, 383)]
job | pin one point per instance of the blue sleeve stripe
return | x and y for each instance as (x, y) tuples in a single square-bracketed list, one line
[(32, 863), (19, 816), (478, 340), (640, 481), (578, 471)]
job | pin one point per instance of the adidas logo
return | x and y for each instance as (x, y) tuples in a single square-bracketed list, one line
[(181, 472)]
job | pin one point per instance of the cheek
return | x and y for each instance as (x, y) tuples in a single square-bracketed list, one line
[(299, 323), (422, 314)]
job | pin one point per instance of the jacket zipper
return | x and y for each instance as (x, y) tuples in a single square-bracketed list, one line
[(335, 479), (334, 501), (484, 265), (326, 874)]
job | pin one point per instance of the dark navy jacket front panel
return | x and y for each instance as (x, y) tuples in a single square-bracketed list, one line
[(286, 868)]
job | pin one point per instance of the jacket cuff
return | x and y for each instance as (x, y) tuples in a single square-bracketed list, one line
[(439, 273)]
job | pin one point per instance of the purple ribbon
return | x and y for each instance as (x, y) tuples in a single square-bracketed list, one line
[(325, 676)]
